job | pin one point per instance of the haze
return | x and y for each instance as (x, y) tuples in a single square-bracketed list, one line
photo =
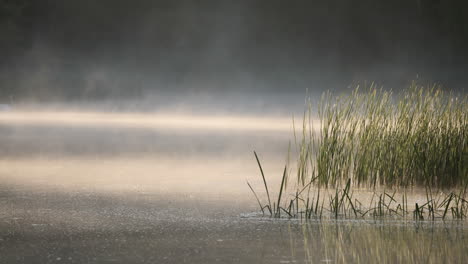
[(138, 119)]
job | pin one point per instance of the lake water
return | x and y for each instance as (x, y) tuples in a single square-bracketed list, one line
[(94, 187)]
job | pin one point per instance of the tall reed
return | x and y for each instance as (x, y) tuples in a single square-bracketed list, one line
[(370, 138), (418, 138)]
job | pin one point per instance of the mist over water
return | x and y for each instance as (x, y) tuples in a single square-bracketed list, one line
[(131, 151), (127, 128)]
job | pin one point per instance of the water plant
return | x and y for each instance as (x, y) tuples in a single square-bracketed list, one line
[(374, 139)]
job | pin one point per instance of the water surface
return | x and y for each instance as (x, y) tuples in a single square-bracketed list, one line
[(94, 187)]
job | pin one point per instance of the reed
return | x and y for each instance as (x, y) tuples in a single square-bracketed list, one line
[(371, 138), (418, 138)]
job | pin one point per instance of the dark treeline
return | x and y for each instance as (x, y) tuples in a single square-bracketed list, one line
[(53, 49)]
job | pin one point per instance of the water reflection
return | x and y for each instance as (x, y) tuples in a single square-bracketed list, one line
[(379, 242)]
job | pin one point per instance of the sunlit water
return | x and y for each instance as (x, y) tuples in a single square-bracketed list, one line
[(102, 187)]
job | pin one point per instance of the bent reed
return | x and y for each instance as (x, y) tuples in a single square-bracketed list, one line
[(374, 139)]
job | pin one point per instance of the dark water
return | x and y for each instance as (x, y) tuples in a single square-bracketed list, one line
[(82, 192), (45, 225)]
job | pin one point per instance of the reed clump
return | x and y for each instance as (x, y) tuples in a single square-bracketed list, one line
[(371, 139), (418, 138)]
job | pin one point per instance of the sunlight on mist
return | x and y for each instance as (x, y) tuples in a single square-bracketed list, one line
[(149, 121), (164, 152)]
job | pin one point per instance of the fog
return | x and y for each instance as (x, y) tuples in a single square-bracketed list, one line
[(112, 92), (54, 51), (172, 153), (119, 93), (128, 128)]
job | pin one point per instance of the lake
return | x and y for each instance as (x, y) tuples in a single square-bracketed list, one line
[(113, 187)]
